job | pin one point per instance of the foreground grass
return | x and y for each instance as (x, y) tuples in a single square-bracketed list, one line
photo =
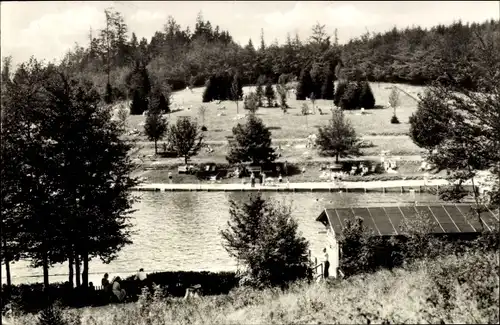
[(451, 289)]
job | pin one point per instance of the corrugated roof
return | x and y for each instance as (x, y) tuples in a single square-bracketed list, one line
[(384, 221)]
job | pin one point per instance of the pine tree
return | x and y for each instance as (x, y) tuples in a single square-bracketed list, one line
[(253, 143), (139, 104), (366, 98), (328, 88), (304, 87), (264, 237), (236, 90), (338, 138), (138, 79), (259, 92), (209, 92), (341, 88), (108, 97), (316, 80), (156, 125), (270, 94), (351, 96)]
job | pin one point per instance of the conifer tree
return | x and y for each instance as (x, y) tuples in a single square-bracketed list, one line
[(270, 94), (304, 87), (156, 125), (108, 97), (264, 237), (366, 98), (338, 138), (328, 88), (341, 88), (139, 103), (253, 143)]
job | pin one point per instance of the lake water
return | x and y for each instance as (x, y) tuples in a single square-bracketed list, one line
[(181, 231)]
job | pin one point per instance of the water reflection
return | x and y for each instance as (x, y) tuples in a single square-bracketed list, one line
[(181, 230)]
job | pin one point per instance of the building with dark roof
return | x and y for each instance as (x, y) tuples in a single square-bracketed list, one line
[(453, 220)]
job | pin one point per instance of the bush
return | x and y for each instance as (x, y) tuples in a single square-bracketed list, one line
[(52, 315), (251, 102), (394, 120), (31, 297), (204, 128)]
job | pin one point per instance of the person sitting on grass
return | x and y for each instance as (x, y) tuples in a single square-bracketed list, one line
[(117, 290), (141, 276)]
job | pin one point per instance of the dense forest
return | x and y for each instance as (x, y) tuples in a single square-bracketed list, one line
[(181, 57)]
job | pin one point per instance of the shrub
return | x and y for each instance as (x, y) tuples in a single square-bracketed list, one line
[(263, 236), (251, 102), (52, 315), (304, 109), (204, 128), (394, 120)]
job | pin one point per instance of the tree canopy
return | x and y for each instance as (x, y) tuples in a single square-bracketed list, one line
[(252, 143)]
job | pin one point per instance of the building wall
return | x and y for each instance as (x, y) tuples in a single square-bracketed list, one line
[(332, 249)]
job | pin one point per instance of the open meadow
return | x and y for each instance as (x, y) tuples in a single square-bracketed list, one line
[(292, 125)]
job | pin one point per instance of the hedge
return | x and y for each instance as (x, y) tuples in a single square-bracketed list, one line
[(31, 298)]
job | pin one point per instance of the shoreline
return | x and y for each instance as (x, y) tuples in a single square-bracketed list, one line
[(403, 186)]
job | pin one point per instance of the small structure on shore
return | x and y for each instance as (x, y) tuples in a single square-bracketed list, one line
[(451, 220)]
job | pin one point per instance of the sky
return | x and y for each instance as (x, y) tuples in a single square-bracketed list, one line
[(48, 29)]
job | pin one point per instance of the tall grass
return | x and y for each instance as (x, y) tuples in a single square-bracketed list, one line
[(450, 289)]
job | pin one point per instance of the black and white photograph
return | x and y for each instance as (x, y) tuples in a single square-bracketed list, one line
[(250, 162)]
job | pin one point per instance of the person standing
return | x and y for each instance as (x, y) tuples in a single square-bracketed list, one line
[(326, 264)]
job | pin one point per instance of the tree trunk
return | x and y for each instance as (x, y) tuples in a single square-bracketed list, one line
[(156, 150), (45, 265), (71, 271), (237, 108), (77, 270), (186, 159), (337, 158), (85, 273), (7, 273), (7, 262)]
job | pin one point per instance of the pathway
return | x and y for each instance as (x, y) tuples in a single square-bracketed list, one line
[(382, 186)]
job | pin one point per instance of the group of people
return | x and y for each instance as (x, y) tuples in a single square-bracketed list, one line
[(114, 287)]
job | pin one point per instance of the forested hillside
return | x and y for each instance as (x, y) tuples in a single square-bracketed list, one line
[(180, 57)]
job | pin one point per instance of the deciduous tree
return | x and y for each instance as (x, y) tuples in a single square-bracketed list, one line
[(185, 137)]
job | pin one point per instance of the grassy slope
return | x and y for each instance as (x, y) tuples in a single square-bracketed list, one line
[(293, 125), (399, 296)]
